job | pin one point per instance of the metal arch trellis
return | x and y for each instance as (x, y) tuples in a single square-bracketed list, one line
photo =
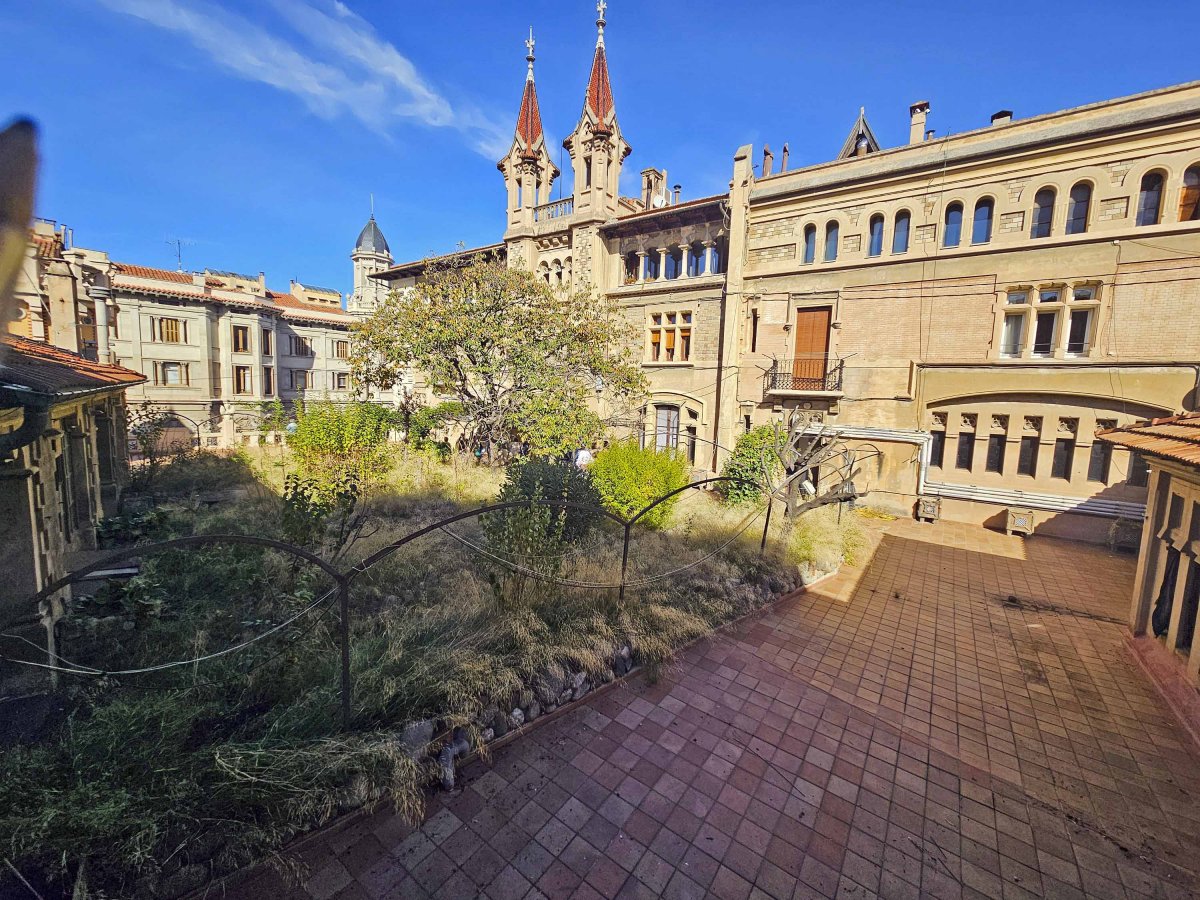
[(344, 579)]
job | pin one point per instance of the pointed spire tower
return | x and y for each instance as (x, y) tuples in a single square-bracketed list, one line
[(596, 146), (527, 168)]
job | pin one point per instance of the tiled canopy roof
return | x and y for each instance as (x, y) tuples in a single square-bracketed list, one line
[(47, 246), (33, 366), (154, 274), (1177, 437), (529, 122)]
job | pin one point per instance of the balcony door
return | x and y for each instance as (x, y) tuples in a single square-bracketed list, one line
[(812, 348)]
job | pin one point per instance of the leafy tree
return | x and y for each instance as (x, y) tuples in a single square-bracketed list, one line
[(523, 359), (753, 460), (421, 422), (630, 478)]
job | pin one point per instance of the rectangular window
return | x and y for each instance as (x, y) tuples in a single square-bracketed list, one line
[(754, 331), (666, 427), (691, 444), (1049, 295), (1014, 330), (670, 337), (301, 346), (1043, 336), (966, 450), (241, 339), (1084, 294), (341, 381), (1016, 298), (241, 380), (937, 448), (268, 380), (1139, 471), (1064, 458), (301, 379), (1027, 459), (1079, 332), (587, 171), (169, 331), (1099, 461), (995, 452), (266, 341), (171, 373), (341, 349)]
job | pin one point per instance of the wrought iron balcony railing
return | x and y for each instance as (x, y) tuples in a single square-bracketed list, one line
[(803, 375)]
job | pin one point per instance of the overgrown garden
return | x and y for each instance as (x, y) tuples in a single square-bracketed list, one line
[(148, 779)]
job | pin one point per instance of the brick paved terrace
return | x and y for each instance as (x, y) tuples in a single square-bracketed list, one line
[(904, 730)]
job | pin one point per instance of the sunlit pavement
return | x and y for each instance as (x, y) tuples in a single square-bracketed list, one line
[(960, 718)]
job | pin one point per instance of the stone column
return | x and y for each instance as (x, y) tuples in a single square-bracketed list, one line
[(708, 249), (641, 267), (662, 263), (684, 249), (100, 297)]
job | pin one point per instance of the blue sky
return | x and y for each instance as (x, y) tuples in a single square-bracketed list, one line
[(255, 130)]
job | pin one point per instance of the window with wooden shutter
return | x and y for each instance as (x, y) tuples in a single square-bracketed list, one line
[(168, 331), (670, 337)]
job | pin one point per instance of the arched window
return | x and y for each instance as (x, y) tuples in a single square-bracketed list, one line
[(876, 244), (981, 225), (716, 264), (1149, 208), (1078, 208), (831, 241), (953, 231), (810, 243), (1043, 213), (1189, 197), (695, 264), (900, 231)]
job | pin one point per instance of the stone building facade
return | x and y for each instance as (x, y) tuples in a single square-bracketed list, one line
[(213, 346), (974, 306)]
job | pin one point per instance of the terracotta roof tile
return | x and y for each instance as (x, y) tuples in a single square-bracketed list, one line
[(1176, 437), (529, 121), (153, 274), (48, 370), (599, 93), (47, 246)]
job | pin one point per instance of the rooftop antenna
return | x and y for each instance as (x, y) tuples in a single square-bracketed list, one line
[(179, 244)]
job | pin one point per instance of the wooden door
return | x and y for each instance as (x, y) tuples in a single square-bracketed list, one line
[(812, 348)]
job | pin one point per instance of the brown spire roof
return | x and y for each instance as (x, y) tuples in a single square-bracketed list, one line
[(599, 93), (529, 122)]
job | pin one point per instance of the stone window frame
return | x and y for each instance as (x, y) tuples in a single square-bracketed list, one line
[(679, 333), (1063, 307)]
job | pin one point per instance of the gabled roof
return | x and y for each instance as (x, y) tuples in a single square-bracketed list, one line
[(861, 129), (417, 266), (34, 367), (153, 274), (1175, 437)]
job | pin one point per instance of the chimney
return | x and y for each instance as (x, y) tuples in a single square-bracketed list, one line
[(783, 161), (675, 194), (929, 134), (917, 114), (1002, 118), (768, 165)]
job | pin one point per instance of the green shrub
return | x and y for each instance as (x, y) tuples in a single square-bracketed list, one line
[(550, 479), (630, 478), (333, 440), (752, 460)]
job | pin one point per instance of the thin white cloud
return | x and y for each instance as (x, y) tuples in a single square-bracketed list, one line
[(329, 57)]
